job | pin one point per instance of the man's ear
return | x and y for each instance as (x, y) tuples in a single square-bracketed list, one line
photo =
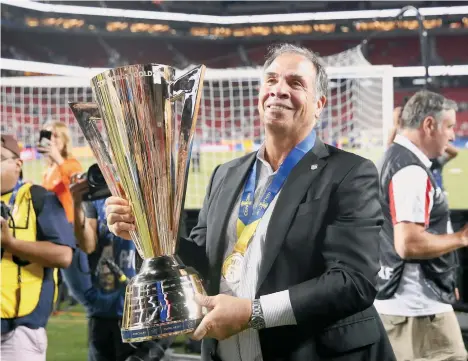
[(429, 124), (320, 105), (397, 116), (19, 165)]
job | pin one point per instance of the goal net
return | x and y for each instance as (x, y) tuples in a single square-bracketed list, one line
[(356, 117)]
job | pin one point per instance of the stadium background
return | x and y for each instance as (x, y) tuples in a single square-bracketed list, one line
[(357, 117)]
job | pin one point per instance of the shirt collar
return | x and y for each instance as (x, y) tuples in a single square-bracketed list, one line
[(261, 158), (405, 142)]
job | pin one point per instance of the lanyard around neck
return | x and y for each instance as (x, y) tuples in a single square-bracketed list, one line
[(15, 193)]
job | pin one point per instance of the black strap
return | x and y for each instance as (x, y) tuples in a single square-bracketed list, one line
[(38, 195)]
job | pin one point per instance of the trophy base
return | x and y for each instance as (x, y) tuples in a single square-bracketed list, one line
[(159, 301)]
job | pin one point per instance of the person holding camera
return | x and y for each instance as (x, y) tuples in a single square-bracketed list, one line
[(111, 263), (61, 165), (36, 240)]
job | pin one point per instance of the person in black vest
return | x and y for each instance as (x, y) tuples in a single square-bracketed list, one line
[(418, 260), (437, 163)]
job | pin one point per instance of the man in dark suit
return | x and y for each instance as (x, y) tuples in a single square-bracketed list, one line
[(288, 236)]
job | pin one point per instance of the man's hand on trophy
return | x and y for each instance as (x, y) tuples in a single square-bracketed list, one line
[(227, 316), (119, 217)]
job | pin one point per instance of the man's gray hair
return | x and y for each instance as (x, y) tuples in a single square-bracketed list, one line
[(321, 79), (425, 104)]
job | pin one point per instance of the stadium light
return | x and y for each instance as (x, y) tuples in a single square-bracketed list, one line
[(83, 72), (231, 20)]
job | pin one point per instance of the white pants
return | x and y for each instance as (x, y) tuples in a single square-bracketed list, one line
[(24, 343)]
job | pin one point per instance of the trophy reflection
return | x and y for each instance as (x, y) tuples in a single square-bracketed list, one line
[(141, 130)]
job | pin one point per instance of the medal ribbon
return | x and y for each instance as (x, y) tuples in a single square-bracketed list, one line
[(12, 200), (250, 216)]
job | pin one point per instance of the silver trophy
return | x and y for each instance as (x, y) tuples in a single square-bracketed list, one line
[(143, 145)]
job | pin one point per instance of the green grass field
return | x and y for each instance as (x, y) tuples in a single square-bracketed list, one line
[(455, 176), (67, 335)]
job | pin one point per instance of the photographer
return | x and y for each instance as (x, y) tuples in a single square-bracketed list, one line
[(36, 239), (111, 262)]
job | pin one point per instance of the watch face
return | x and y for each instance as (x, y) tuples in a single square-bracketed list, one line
[(258, 323)]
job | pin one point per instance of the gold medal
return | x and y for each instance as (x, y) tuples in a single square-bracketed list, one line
[(232, 267)]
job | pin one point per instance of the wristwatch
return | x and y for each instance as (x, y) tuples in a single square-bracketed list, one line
[(257, 321)]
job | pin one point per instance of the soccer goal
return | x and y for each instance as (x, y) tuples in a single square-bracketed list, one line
[(357, 115)]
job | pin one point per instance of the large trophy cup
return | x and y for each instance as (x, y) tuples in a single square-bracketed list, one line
[(143, 146)]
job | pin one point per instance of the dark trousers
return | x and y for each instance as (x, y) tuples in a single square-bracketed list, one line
[(105, 341)]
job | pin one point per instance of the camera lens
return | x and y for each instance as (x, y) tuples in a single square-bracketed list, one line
[(95, 177), (97, 184)]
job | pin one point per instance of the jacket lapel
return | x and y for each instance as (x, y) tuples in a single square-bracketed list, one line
[(298, 182), (232, 185)]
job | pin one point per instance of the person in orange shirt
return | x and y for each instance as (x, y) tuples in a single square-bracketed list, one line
[(61, 165)]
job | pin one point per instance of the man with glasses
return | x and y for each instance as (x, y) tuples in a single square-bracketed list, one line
[(36, 240)]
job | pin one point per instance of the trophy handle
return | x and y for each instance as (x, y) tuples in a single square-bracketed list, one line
[(188, 89), (87, 114)]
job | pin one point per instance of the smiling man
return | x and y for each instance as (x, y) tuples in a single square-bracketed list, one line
[(288, 236)]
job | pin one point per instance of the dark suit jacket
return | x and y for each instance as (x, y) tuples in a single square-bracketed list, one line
[(322, 244)]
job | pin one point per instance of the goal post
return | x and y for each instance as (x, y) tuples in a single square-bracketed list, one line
[(356, 117)]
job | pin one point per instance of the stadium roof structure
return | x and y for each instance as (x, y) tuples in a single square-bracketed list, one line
[(186, 15), (224, 8)]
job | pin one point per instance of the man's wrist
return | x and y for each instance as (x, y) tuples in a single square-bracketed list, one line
[(80, 215), (77, 202), (83, 217), (10, 244), (257, 320), (462, 238)]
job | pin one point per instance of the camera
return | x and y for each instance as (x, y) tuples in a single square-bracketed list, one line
[(97, 185)]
